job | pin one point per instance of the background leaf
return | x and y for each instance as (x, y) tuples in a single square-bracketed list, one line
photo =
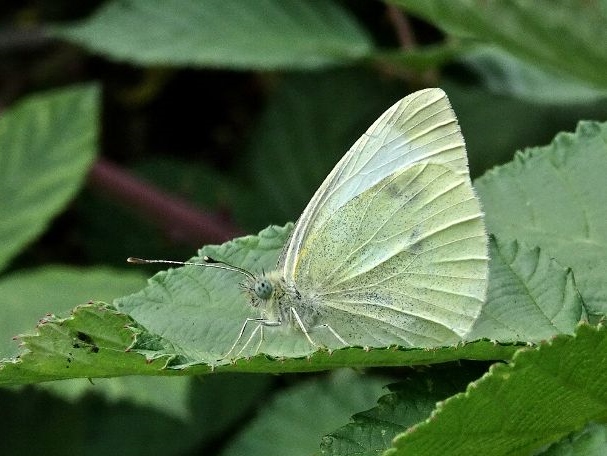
[(137, 414), (559, 35), (409, 402), (286, 162), (552, 390), (553, 197), (48, 143), (505, 74), (295, 420), (265, 34)]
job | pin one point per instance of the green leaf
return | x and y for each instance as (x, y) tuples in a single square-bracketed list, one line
[(199, 311), (539, 398), (554, 197), (92, 342), (409, 402), (421, 58), (184, 322), (530, 298), (559, 35), (264, 34), (298, 417), (47, 145), (25, 296), (505, 74)]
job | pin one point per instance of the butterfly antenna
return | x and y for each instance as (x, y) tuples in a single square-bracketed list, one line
[(208, 262)]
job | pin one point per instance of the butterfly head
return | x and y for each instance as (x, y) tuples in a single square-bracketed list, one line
[(263, 287)]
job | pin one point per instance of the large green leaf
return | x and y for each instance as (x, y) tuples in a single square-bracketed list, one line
[(47, 144), (541, 396), (554, 197), (198, 312), (560, 35), (240, 34)]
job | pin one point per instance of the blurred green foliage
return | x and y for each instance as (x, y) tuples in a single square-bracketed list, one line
[(241, 108)]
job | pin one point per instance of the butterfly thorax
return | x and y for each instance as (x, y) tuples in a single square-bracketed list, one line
[(275, 297)]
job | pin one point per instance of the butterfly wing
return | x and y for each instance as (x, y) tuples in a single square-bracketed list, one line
[(392, 247)]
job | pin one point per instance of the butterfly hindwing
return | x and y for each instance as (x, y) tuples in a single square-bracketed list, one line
[(406, 259)]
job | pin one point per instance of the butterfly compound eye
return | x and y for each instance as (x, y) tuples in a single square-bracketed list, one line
[(263, 288)]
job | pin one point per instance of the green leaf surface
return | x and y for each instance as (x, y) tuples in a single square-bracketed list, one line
[(92, 342), (494, 125), (47, 145), (530, 298), (26, 296), (559, 35), (185, 323), (297, 418), (540, 397), (422, 58), (554, 197), (505, 74), (409, 402), (186, 319), (42, 423), (263, 34), (96, 341)]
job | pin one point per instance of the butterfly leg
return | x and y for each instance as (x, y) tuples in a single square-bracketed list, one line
[(259, 327), (337, 336), (302, 327), (261, 323)]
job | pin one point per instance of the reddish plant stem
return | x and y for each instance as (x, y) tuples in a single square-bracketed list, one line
[(406, 39), (180, 220), (402, 28)]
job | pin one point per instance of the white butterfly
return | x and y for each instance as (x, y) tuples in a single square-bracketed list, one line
[(391, 249)]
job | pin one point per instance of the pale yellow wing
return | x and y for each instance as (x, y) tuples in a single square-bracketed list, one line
[(392, 247)]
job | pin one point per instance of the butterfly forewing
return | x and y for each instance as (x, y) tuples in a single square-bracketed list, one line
[(392, 247), (421, 126)]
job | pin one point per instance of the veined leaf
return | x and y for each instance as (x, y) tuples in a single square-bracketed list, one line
[(541, 396), (554, 197), (530, 298)]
